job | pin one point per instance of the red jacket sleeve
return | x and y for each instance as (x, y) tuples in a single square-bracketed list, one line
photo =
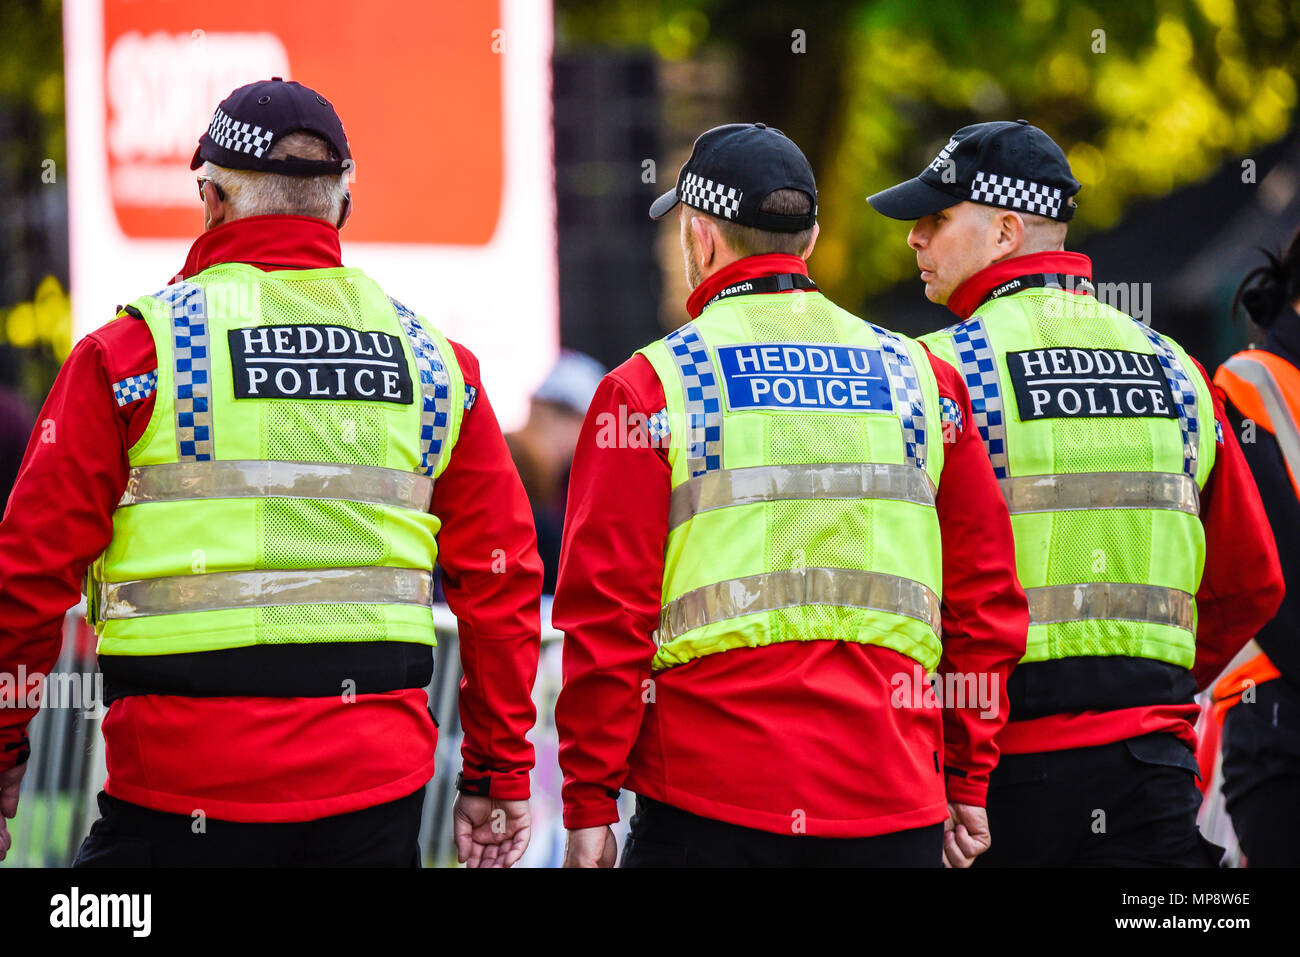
[(985, 615), (1242, 584), (492, 579), (607, 599), (60, 513)]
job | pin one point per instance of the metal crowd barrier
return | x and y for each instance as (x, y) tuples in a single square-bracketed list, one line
[(66, 770)]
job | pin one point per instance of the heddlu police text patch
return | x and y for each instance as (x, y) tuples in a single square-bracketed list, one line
[(802, 375), (318, 362), (1068, 383)]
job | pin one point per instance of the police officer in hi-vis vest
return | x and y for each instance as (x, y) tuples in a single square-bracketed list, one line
[(781, 522), (1259, 702), (1140, 539), (259, 465)]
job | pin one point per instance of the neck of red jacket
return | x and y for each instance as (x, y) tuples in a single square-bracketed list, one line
[(970, 295), (267, 242), (751, 267)]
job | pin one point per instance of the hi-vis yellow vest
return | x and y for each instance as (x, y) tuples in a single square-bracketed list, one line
[(1102, 434), (805, 450), (280, 492)]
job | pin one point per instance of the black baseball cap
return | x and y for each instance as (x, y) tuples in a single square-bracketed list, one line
[(1007, 164), (250, 120), (733, 168)]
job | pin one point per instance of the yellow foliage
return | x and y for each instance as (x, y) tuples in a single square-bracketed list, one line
[(46, 319)]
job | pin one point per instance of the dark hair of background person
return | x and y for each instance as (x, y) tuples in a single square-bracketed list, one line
[(751, 241), (1269, 289)]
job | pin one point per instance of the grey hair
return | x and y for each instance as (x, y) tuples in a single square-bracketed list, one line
[(250, 193)]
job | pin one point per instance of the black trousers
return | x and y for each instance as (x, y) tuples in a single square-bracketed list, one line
[(665, 836), (1128, 804), (128, 835), (1261, 774)]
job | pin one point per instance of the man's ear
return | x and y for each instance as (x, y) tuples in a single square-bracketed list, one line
[(706, 239), (812, 240), (214, 205), (1010, 234), (346, 211)]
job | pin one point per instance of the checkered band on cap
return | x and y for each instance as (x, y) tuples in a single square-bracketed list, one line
[(695, 190), (907, 394), (703, 399), (135, 387), (1014, 193), (231, 134), (979, 370), (435, 389), (191, 371), (1185, 402)]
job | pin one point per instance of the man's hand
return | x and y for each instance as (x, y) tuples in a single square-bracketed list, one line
[(9, 781), (591, 847), (965, 835), (490, 832)]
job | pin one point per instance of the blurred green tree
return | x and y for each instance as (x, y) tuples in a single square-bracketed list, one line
[(1144, 97), (31, 80)]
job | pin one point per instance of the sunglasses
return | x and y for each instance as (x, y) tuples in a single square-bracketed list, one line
[(221, 194)]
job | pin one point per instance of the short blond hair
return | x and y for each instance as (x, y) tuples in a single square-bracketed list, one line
[(751, 241)]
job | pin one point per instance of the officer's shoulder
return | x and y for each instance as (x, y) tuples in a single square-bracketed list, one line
[(124, 340)]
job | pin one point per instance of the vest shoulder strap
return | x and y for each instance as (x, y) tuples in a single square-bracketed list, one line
[(436, 392), (978, 367)]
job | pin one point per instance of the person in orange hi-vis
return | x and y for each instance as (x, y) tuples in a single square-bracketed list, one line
[(1259, 701)]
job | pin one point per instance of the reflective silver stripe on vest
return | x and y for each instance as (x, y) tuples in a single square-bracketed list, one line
[(770, 483), (435, 389), (186, 481), (1185, 402), (1109, 600), (217, 591), (703, 399), (1064, 493), (1284, 426), (191, 371), (906, 388), (843, 587)]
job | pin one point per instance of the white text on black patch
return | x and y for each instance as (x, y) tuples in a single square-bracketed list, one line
[(1070, 383), (318, 362)]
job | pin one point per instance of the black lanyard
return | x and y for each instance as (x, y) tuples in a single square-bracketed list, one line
[(782, 282), (1065, 281)]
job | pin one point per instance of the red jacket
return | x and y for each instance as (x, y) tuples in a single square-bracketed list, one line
[(1241, 585), (253, 758), (787, 737)]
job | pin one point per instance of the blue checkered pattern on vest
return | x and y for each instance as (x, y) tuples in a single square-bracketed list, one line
[(435, 388), (703, 399), (907, 392), (1184, 396), (979, 369), (192, 367), (135, 387)]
